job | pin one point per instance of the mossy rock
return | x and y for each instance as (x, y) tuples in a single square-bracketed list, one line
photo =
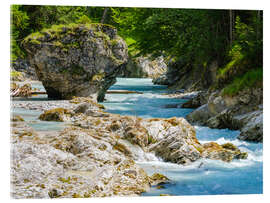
[(16, 76), (229, 146), (115, 126), (158, 179), (122, 148), (57, 114), (17, 118), (226, 152), (78, 100)]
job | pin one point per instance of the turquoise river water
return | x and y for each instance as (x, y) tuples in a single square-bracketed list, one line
[(212, 177)]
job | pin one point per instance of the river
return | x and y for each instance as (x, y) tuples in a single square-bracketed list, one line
[(203, 177), (212, 177)]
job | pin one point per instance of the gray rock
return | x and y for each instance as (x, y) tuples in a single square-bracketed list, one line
[(77, 60), (196, 101), (200, 115), (144, 66), (22, 65), (252, 129)]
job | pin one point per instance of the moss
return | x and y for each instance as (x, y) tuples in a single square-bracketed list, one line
[(212, 146), (158, 176), (242, 155), (26, 180), (55, 31), (173, 121), (65, 180), (250, 79), (151, 140), (102, 35), (34, 38), (114, 42), (199, 149), (122, 148), (56, 114), (58, 44), (15, 75), (17, 118), (76, 195), (98, 77), (229, 146)]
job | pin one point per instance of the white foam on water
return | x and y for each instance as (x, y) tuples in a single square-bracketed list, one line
[(222, 141)]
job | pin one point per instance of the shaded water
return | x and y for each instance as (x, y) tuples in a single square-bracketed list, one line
[(203, 177)]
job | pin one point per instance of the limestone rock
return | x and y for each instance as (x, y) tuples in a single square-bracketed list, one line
[(23, 66), (144, 66), (158, 179), (197, 101), (57, 114), (77, 60), (226, 152), (253, 129), (199, 115), (236, 113)]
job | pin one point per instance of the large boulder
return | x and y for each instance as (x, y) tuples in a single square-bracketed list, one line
[(23, 67), (77, 60)]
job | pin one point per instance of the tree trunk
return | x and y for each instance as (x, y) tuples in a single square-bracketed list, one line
[(231, 26), (104, 15)]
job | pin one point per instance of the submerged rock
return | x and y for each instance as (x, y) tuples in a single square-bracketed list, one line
[(77, 60)]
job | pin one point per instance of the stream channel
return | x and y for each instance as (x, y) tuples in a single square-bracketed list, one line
[(202, 177)]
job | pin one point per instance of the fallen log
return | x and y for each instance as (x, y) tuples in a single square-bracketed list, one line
[(122, 92), (38, 92)]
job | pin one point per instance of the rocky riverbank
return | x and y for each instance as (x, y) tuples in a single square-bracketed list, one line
[(242, 112), (213, 107), (96, 156)]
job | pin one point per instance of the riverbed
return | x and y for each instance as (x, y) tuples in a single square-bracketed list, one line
[(203, 177)]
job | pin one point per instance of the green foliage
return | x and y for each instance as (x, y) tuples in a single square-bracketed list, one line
[(250, 79), (84, 20), (19, 23), (192, 37), (244, 56)]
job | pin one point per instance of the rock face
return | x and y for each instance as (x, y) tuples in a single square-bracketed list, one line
[(144, 67), (77, 60), (23, 66), (179, 75)]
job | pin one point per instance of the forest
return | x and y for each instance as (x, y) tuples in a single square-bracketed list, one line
[(193, 37)]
